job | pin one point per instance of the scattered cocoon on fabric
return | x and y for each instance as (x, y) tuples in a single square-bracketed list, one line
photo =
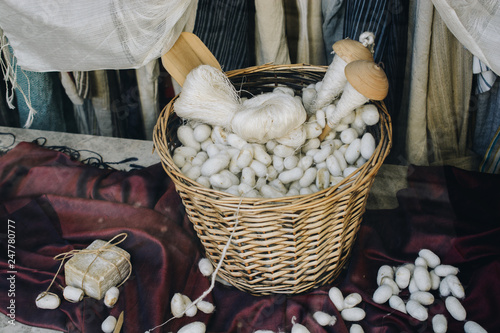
[(205, 267), (111, 297), (108, 325), (195, 327), (48, 301), (73, 294), (324, 319)]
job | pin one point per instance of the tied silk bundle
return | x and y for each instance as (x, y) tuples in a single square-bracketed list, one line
[(209, 97)]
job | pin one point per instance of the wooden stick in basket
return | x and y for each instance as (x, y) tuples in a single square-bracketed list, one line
[(186, 54)]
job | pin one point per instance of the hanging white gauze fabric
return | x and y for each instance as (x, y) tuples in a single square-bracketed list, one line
[(89, 35), (209, 97)]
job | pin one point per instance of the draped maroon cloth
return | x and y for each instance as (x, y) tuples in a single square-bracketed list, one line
[(57, 205)]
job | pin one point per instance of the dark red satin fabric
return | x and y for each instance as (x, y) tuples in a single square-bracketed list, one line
[(58, 205)]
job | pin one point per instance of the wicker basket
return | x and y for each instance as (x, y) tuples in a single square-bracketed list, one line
[(287, 245)]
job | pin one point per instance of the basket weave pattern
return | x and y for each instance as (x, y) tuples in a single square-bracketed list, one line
[(287, 245)]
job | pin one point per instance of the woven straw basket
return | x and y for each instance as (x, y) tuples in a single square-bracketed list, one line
[(287, 245)]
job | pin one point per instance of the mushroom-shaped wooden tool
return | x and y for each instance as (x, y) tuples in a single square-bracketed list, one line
[(365, 81), (346, 51)]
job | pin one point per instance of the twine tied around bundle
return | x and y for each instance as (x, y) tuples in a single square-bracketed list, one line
[(105, 248)]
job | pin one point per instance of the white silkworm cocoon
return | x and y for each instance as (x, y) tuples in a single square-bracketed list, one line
[(444, 288), (259, 168), (333, 166), (417, 310), (233, 189), (219, 135), (311, 144), (412, 287), (270, 145), (179, 160), (455, 286), (410, 267), (353, 152), (341, 127), (244, 158), (292, 192), (313, 130), (444, 270), (435, 280), (384, 271), (206, 143), (324, 319), (308, 97), (190, 309), (308, 178), (186, 167), (423, 297), (439, 324), (73, 294), (298, 328), (323, 178), (268, 191), (348, 135), (352, 300), (321, 118), (313, 188), (455, 308), (278, 185), (422, 278), (473, 327), (348, 171), (359, 162), (358, 122), (205, 267), (284, 90), (248, 176), (213, 149), (353, 314), (294, 138), (195, 327), (203, 181), (305, 162), (430, 257), (295, 185), (200, 158), (341, 159), (220, 180), (370, 114), (382, 294), (194, 172), (397, 303), (343, 148), (367, 146), (108, 325), (402, 277), (186, 151), (322, 154), (205, 307), (251, 194), (312, 152), (337, 298), (260, 154), (235, 141), (278, 163), (177, 305), (305, 191), (289, 176), (47, 301), (261, 181), (356, 328), (272, 173), (331, 135), (185, 134), (391, 283), (111, 297), (335, 180), (348, 119), (243, 188), (283, 151), (291, 162), (419, 261), (202, 132), (231, 176)]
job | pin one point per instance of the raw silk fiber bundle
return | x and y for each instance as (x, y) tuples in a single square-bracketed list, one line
[(84, 35), (209, 97)]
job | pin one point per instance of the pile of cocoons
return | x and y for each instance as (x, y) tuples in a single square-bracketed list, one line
[(298, 163), (424, 278)]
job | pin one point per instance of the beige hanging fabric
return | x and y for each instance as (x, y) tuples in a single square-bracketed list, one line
[(310, 48), (270, 37), (92, 34), (438, 91)]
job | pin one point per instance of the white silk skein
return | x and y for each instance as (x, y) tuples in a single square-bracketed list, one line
[(350, 100), (333, 84)]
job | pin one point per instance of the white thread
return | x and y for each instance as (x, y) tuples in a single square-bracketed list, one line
[(367, 38), (350, 100), (214, 274), (333, 83)]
